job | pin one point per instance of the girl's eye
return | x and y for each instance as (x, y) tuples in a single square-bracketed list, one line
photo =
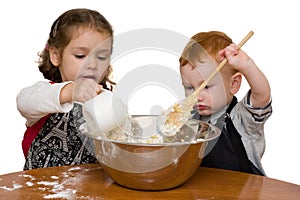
[(102, 57), (80, 56)]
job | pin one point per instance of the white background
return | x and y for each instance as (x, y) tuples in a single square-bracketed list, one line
[(274, 47)]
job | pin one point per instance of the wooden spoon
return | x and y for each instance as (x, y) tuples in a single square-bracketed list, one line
[(176, 116)]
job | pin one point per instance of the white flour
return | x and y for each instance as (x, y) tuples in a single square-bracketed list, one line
[(15, 186), (61, 187), (66, 194), (47, 183)]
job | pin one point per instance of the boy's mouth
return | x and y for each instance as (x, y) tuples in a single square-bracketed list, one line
[(201, 107)]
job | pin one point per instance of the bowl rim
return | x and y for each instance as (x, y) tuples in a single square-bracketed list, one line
[(214, 135)]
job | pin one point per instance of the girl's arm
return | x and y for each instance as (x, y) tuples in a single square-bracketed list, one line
[(41, 99)]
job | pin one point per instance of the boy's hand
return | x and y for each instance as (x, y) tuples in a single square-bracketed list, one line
[(236, 57)]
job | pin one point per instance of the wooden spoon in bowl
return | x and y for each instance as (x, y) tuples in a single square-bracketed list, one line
[(171, 120)]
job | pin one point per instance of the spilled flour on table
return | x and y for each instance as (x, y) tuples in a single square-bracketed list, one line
[(29, 184), (59, 189), (47, 183), (14, 187), (28, 176), (67, 194), (59, 186)]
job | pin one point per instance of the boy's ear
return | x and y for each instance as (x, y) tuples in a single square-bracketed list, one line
[(54, 56), (236, 81)]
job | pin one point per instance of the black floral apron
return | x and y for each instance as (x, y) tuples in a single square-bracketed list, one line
[(59, 142)]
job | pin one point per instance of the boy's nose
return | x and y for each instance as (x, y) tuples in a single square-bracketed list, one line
[(200, 97)]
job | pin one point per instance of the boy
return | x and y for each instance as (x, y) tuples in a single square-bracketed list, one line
[(241, 144)]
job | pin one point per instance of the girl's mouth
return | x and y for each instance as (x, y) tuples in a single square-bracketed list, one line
[(89, 77)]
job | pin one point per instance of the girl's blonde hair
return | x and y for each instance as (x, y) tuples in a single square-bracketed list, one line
[(61, 33)]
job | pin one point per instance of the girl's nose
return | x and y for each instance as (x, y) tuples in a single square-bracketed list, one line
[(90, 63), (91, 67)]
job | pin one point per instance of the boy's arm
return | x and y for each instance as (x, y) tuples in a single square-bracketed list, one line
[(40, 99), (260, 88)]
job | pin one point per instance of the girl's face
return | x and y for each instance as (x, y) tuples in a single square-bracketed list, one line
[(214, 96), (86, 56)]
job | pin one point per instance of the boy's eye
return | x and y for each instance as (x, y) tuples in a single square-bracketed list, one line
[(188, 87)]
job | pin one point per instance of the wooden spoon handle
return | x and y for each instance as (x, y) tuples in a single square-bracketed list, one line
[(221, 65)]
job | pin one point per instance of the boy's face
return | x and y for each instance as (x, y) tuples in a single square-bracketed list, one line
[(214, 96)]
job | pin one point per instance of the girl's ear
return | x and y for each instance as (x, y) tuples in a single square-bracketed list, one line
[(54, 56), (236, 81)]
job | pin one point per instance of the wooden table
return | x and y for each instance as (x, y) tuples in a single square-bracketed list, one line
[(89, 182)]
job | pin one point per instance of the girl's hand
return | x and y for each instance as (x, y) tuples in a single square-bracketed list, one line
[(85, 89)]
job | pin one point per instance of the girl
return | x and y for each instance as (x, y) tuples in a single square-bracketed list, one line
[(76, 60)]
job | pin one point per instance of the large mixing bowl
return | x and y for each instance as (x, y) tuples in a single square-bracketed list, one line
[(158, 165)]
